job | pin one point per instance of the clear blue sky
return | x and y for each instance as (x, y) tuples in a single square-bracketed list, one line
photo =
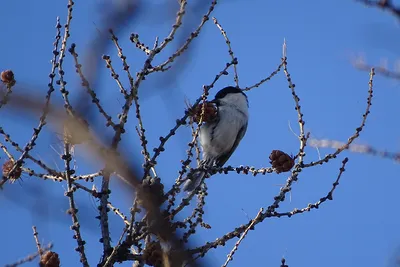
[(358, 228)]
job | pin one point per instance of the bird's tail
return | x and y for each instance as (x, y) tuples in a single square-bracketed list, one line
[(195, 178)]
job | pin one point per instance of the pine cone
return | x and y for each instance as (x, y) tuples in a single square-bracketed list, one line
[(210, 112), (281, 161), (153, 255), (7, 77), (49, 259), (7, 167)]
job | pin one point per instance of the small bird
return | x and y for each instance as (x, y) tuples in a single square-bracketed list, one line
[(220, 137)]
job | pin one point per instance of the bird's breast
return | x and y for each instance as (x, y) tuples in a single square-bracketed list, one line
[(218, 137)]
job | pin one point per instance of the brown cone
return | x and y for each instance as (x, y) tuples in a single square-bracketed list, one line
[(49, 259), (7, 167), (7, 77), (281, 161), (210, 112)]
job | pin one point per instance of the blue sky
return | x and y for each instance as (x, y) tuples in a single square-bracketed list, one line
[(358, 228)]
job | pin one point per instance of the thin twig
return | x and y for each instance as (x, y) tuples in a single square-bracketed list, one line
[(123, 59), (202, 250), (42, 121), (316, 205), (8, 139), (114, 145), (228, 43), (111, 258), (35, 236), (61, 56), (230, 256), (135, 39), (89, 90), (197, 214), (119, 213), (31, 257), (276, 71), (2, 146), (188, 41), (302, 137), (135, 97), (67, 157), (96, 151), (114, 75), (186, 162), (358, 129), (177, 24)]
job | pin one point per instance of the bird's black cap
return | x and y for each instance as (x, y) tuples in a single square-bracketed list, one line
[(228, 90)]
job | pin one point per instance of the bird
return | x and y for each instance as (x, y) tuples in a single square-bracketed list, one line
[(220, 137)]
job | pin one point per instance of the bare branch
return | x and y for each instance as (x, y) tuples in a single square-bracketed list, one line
[(276, 71), (31, 257), (316, 205), (228, 43), (230, 256), (67, 157), (358, 129)]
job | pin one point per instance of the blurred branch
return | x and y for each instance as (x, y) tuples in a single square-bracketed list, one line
[(161, 227), (156, 235), (383, 4), (7, 77), (363, 149), (114, 145), (360, 64)]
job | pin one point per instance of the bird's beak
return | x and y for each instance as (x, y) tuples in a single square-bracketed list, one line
[(214, 101)]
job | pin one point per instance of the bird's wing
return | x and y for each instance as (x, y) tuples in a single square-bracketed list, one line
[(224, 158)]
